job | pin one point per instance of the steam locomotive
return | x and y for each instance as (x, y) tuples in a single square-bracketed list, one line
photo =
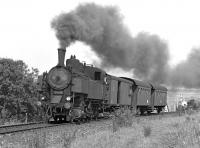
[(80, 91)]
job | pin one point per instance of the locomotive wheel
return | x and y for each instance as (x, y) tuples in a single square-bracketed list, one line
[(148, 112), (158, 110), (67, 118), (138, 112), (142, 112), (55, 119)]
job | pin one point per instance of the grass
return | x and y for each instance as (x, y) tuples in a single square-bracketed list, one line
[(152, 132), (147, 131), (122, 118), (69, 139), (123, 131), (11, 121)]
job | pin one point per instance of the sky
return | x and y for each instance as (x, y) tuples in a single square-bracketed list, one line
[(26, 34)]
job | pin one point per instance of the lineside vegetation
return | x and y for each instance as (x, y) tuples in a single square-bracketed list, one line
[(18, 92), (149, 132)]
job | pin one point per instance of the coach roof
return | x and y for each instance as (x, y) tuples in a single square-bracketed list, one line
[(158, 87), (139, 83), (121, 79)]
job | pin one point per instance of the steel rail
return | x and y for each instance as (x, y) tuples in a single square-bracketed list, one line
[(24, 127), (20, 124), (8, 129)]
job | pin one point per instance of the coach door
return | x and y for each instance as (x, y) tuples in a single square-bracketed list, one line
[(153, 93), (118, 92), (134, 96)]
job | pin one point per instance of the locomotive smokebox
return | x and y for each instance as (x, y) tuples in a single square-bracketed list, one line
[(61, 56)]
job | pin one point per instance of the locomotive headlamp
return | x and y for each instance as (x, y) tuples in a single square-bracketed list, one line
[(42, 98), (68, 98)]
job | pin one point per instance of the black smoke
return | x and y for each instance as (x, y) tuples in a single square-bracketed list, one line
[(187, 73), (150, 58), (102, 28)]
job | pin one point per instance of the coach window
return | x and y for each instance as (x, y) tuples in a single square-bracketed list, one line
[(97, 75)]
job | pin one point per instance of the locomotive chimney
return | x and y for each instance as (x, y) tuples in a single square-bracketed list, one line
[(61, 56)]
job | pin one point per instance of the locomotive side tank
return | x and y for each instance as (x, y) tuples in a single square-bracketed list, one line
[(86, 79)]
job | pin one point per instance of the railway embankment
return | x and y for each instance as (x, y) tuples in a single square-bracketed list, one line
[(123, 130)]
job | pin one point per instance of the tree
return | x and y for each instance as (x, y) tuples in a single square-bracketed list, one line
[(18, 88)]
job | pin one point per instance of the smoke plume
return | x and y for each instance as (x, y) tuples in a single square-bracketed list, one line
[(187, 73), (102, 28), (150, 58), (99, 27)]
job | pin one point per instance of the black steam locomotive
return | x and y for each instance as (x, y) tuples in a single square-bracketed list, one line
[(80, 91)]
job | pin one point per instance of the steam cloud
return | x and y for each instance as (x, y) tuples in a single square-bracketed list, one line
[(102, 28)]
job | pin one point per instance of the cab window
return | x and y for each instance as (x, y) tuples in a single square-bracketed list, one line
[(97, 75)]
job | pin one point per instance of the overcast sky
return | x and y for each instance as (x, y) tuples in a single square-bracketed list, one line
[(25, 31)]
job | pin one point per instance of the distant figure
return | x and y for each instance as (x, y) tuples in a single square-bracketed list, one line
[(182, 106), (183, 103)]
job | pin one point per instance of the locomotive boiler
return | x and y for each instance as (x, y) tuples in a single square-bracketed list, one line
[(74, 91)]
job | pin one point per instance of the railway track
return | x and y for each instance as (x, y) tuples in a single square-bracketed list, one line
[(160, 114), (8, 129)]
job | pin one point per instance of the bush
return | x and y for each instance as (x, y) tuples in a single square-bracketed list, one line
[(122, 118), (181, 110)]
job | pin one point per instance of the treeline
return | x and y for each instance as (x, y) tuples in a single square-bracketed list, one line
[(193, 104), (18, 91)]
